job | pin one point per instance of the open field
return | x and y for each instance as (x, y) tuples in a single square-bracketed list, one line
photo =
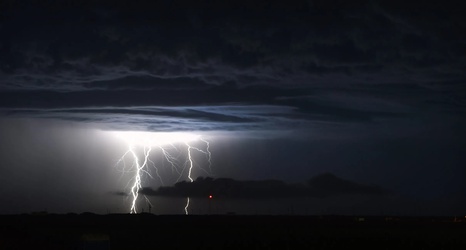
[(146, 231)]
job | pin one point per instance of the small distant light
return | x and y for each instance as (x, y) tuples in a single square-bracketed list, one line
[(210, 197)]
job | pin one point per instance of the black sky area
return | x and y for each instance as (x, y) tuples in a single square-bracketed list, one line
[(371, 91)]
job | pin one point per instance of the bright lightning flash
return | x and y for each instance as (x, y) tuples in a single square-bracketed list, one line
[(147, 141)]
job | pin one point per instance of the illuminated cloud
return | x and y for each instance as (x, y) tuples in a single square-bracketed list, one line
[(370, 61), (377, 86)]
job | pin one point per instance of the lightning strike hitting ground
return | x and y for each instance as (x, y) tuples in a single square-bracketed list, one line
[(146, 142)]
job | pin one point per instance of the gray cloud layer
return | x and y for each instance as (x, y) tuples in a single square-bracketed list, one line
[(238, 66)]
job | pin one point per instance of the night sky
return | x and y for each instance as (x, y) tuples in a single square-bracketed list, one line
[(373, 92)]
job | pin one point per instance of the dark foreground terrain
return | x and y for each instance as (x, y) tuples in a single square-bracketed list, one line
[(145, 231)]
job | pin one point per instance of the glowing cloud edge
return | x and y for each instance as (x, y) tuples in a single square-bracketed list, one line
[(149, 139)]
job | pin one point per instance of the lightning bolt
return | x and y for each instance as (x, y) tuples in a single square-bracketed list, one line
[(186, 208), (137, 180), (140, 169), (208, 154), (191, 165)]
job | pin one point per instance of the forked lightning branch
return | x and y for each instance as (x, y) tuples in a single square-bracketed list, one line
[(141, 148)]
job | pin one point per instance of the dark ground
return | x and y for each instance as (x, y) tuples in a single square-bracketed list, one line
[(146, 231)]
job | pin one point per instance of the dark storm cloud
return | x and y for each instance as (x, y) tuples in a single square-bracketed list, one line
[(318, 186), (118, 193), (315, 61), (155, 118)]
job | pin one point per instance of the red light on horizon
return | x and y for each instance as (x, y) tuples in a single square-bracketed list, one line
[(210, 197)]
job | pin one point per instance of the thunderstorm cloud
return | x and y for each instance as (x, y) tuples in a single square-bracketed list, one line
[(373, 91), (261, 66)]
